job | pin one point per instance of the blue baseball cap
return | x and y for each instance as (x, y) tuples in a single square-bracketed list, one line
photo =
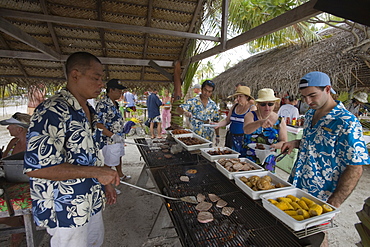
[(316, 79)]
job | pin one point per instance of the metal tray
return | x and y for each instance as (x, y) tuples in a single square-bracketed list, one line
[(13, 167), (255, 195), (231, 175), (205, 154), (206, 143), (291, 222), (170, 131)]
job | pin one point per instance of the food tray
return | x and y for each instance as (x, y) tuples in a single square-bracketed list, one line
[(170, 131), (288, 220), (255, 195), (207, 143), (205, 154), (231, 175)]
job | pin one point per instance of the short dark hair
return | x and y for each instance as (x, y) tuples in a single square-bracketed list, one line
[(240, 84), (208, 83), (80, 60), (304, 81)]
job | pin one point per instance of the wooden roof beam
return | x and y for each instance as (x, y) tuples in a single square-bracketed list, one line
[(298, 14), (100, 24), (15, 32), (63, 58), (19, 65), (146, 36)]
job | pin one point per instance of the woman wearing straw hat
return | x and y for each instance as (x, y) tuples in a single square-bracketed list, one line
[(355, 104), (236, 118), (264, 126)]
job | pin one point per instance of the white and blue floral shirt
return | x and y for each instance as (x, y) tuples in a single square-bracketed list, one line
[(110, 116), (210, 112), (60, 132), (326, 149)]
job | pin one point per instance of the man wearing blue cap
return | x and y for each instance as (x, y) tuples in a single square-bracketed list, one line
[(332, 150)]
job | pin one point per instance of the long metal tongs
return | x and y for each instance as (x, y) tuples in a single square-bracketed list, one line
[(281, 156), (189, 199)]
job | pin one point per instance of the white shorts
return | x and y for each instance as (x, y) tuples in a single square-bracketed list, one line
[(112, 153), (90, 234)]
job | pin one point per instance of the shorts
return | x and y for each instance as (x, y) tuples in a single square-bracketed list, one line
[(156, 119), (112, 153), (90, 234), (133, 108)]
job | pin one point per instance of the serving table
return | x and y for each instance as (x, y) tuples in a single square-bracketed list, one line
[(249, 225), (16, 201)]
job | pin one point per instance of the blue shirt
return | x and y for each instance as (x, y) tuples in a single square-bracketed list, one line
[(237, 121), (130, 99), (60, 132), (326, 149), (153, 103), (110, 116), (199, 112)]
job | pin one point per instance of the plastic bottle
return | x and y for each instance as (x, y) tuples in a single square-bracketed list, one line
[(294, 121)]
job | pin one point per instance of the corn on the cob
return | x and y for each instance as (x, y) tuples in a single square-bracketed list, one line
[(284, 206), (303, 205), (284, 199), (295, 205), (298, 217), (293, 198), (307, 201), (315, 210), (303, 212), (291, 212), (326, 208), (272, 201)]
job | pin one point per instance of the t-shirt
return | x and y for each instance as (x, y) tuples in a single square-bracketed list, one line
[(153, 103), (288, 110), (130, 99)]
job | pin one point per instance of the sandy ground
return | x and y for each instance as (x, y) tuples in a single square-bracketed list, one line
[(133, 220)]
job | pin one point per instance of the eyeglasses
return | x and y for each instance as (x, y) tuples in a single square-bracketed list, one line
[(264, 104)]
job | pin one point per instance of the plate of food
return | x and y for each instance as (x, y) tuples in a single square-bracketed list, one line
[(210, 125), (259, 146)]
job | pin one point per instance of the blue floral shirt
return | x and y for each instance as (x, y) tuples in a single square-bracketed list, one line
[(326, 149), (60, 132), (210, 112), (110, 116)]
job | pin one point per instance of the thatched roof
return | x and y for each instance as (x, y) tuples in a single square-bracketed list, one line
[(37, 36), (281, 68)]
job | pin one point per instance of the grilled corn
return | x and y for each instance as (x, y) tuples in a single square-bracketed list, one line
[(284, 199), (303, 212), (295, 205), (307, 201), (298, 217), (284, 206), (326, 208), (315, 210), (303, 205), (291, 212), (293, 198), (273, 201)]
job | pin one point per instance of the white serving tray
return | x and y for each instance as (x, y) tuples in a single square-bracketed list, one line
[(170, 131), (296, 225), (207, 143), (231, 175), (205, 154), (255, 195)]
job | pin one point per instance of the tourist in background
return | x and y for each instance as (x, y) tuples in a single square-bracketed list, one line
[(166, 112), (236, 118), (202, 110), (153, 103), (264, 126), (288, 110), (130, 99), (355, 104)]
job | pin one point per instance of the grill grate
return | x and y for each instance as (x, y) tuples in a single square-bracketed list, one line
[(155, 157)]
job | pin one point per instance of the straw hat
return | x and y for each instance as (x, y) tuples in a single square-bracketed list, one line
[(242, 90), (361, 96), (266, 94)]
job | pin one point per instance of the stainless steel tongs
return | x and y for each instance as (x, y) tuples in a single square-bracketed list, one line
[(281, 156)]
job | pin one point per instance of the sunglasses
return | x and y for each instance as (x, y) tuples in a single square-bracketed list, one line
[(264, 104), (209, 83)]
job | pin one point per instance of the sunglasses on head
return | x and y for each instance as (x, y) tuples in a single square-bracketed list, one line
[(264, 104), (210, 83)]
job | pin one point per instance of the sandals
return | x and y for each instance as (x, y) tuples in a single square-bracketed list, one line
[(125, 177)]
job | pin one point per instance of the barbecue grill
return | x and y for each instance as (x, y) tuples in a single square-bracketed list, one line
[(155, 157), (249, 225)]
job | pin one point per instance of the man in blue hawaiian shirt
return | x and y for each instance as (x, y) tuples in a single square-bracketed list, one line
[(67, 177), (332, 150), (110, 120), (202, 110)]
